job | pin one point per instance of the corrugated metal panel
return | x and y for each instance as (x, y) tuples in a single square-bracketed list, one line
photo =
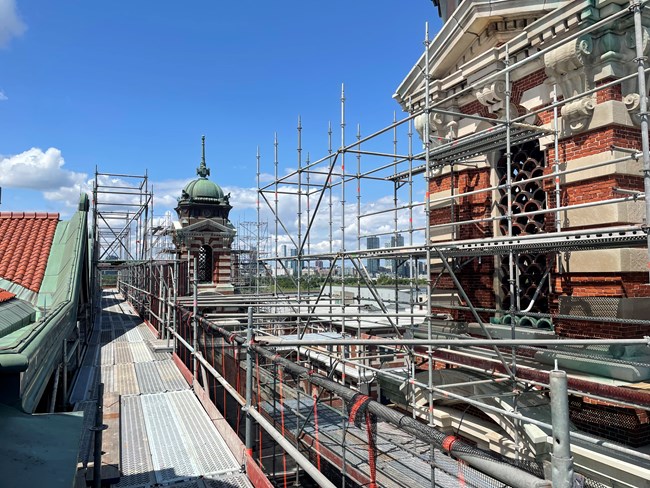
[(161, 355), (202, 438), (135, 463), (148, 378), (123, 354), (238, 481), (170, 375), (146, 333), (125, 379), (140, 352), (133, 335), (107, 354), (171, 460), (108, 376), (119, 334)]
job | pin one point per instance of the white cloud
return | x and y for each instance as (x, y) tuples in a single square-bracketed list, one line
[(3, 97), (11, 25), (38, 170)]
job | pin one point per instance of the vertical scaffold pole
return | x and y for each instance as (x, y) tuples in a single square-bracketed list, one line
[(512, 273), (359, 223), (643, 113), (561, 459), (195, 319), (300, 247), (299, 254), (343, 212), (331, 216), (427, 238), (343, 349), (249, 384), (257, 267), (396, 262), (308, 213), (275, 164)]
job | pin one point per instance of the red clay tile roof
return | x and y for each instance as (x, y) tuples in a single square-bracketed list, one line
[(25, 242), (5, 295)]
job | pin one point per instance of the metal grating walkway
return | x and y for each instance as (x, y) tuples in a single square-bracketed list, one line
[(166, 437)]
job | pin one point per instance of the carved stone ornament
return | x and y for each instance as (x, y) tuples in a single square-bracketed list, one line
[(570, 67), (630, 87), (435, 127), (493, 97)]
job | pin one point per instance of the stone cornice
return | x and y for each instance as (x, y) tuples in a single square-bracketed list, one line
[(464, 28)]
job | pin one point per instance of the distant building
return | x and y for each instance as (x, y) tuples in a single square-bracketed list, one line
[(399, 267), (293, 263), (373, 264)]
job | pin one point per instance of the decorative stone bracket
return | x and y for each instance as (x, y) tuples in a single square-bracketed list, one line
[(602, 55), (630, 88), (570, 66), (442, 127)]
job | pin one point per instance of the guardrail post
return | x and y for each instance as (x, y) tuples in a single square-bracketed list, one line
[(249, 383), (561, 459)]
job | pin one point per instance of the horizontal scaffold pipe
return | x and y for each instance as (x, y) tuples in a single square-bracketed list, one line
[(474, 457), (274, 342)]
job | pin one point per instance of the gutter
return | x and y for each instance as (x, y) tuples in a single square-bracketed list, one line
[(13, 363)]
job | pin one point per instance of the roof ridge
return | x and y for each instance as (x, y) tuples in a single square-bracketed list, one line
[(29, 215)]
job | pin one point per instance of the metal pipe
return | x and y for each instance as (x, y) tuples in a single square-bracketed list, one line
[(479, 459), (195, 319), (257, 208), (262, 422), (249, 383), (98, 429), (343, 298), (636, 5), (561, 459), (427, 224), (599, 203), (299, 214), (330, 221), (279, 341), (275, 213), (55, 388), (292, 451), (464, 296)]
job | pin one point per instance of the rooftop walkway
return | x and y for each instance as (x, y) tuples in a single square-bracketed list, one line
[(158, 433)]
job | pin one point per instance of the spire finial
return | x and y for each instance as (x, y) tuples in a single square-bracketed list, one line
[(203, 171)]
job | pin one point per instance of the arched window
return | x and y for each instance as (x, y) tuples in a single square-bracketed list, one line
[(205, 264)]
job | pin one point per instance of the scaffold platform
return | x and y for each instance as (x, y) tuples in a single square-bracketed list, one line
[(164, 436)]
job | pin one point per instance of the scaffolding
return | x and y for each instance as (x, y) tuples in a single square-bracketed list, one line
[(328, 194), (122, 207), (313, 346), (250, 250)]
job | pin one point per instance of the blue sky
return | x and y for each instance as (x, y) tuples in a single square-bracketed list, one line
[(132, 86)]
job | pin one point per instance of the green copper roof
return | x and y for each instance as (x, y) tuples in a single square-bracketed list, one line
[(202, 189), (39, 450)]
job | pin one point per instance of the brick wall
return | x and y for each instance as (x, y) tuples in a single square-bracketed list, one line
[(476, 275), (595, 142)]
